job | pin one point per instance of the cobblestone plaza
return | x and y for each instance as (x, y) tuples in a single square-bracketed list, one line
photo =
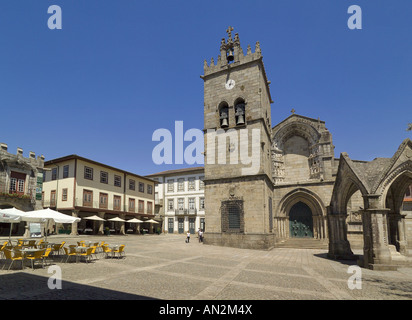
[(165, 267)]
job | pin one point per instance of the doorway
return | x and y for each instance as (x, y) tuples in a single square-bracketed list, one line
[(300, 221)]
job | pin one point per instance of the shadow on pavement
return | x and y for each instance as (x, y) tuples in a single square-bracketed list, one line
[(24, 286)]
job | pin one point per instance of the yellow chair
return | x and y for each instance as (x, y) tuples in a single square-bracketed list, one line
[(32, 243), (37, 255), (17, 256), (106, 250), (46, 254), (119, 251), (81, 243), (70, 253), (20, 242), (3, 247), (87, 255)]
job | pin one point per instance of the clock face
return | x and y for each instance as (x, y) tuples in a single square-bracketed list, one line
[(230, 84)]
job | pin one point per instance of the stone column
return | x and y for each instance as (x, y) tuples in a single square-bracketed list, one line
[(122, 226), (339, 246), (74, 232), (375, 237), (402, 234), (100, 223)]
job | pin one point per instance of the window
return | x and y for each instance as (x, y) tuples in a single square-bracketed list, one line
[(20, 186), (180, 203), (13, 185), (116, 202), (181, 184), (131, 204), (202, 203), (201, 183), (141, 187), (141, 206), (132, 184), (66, 171), (53, 198), (64, 194), (191, 184), (170, 185), (117, 181), (149, 207), (104, 177), (191, 203), (232, 216), (170, 204), (149, 189), (54, 174), (88, 173), (87, 198), (103, 200)]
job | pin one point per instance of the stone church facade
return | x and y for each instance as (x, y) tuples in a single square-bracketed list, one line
[(264, 184)]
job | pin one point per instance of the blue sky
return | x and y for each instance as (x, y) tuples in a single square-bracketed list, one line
[(119, 70)]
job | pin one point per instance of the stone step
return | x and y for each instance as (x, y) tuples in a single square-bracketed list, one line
[(303, 243)]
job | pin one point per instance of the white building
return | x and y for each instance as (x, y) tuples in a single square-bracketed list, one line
[(180, 199)]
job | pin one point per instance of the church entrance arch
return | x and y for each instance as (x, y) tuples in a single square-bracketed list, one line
[(300, 221)]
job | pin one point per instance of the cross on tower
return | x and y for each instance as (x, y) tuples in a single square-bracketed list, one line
[(229, 32), (293, 111)]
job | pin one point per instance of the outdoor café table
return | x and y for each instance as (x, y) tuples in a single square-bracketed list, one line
[(27, 251)]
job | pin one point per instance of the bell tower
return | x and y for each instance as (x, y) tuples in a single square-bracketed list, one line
[(237, 126)]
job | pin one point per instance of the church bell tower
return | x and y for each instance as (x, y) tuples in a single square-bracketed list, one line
[(237, 126)]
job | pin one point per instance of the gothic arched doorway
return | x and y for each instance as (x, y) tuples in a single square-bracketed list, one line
[(300, 221)]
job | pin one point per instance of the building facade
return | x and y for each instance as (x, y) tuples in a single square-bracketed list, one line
[(181, 199), (82, 187), (20, 183), (265, 185)]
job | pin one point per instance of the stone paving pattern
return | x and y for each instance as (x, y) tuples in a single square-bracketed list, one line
[(165, 267)]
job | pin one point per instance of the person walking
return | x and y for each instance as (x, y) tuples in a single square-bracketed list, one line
[(188, 237), (200, 235)]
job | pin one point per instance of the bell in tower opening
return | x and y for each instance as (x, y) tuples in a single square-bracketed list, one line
[(240, 113), (224, 116)]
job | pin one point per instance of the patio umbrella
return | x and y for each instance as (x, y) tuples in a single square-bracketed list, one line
[(151, 221), (96, 218), (134, 220), (116, 219), (10, 215), (49, 214)]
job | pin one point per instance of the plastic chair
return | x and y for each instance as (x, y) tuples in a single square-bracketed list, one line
[(70, 253), (119, 251), (37, 255), (87, 254), (46, 254), (106, 250), (17, 256), (3, 247)]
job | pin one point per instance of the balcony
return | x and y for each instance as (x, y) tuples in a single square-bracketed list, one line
[(180, 212)]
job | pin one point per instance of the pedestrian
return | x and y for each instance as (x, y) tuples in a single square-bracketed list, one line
[(200, 235), (188, 237)]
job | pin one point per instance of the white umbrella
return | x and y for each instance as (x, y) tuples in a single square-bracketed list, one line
[(96, 218), (49, 214), (151, 221), (134, 220), (11, 215), (116, 219)]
